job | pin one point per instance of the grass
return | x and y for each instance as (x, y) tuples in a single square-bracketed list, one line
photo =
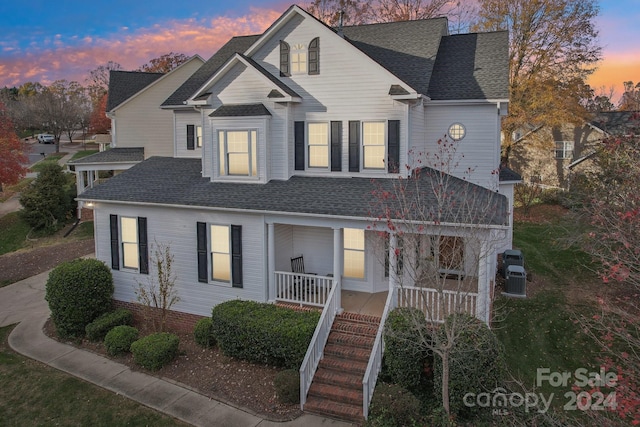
[(37, 395), (10, 190), (84, 231), (84, 153), (14, 232), (52, 158)]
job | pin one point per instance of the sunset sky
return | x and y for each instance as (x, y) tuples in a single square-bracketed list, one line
[(42, 41)]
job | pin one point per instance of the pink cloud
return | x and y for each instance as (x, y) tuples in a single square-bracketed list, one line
[(57, 59)]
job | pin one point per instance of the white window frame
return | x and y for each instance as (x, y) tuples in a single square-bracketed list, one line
[(326, 144), (215, 249), (348, 248), (198, 136), (364, 145), (298, 59), (565, 148), (129, 245), (252, 152), (457, 131)]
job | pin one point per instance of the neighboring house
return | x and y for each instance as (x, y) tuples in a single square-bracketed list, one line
[(139, 127), (279, 141), (551, 156)]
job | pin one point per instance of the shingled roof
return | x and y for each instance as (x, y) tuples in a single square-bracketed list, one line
[(124, 84), (471, 66), (113, 155), (617, 122), (179, 182), (407, 49), (208, 69)]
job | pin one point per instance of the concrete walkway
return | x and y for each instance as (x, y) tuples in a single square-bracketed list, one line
[(23, 303)]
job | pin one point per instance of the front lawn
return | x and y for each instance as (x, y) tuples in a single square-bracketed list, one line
[(84, 153), (14, 232), (52, 158), (33, 394)]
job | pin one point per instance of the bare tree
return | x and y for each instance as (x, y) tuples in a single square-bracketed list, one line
[(164, 63), (553, 49), (443, 232), (630, 100), (159, 295), (98, 81)]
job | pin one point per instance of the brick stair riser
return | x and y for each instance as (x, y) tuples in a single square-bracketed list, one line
[(356, 354), (356, 329), (351, 340), (336, 364), (333, 409), (337, 394), (340, 379)]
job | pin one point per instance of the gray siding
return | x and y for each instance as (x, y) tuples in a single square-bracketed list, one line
[(182, 119)]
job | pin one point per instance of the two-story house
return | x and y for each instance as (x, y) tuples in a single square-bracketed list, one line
[(281, 139)]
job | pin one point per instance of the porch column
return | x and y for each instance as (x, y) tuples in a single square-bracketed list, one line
[(92, 177), (271, 261), (483, 302), (337, 263)]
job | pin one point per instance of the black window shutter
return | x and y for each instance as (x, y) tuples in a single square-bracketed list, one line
[(284, 59), (298, 145), (191, 137), (354, 146), (236, 256), (336, 146), (203, 268), (143, 247), (115, 245), (314, 56), (393, 146)]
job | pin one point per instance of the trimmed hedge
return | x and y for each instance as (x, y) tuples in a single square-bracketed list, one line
[(99, 328), (203, 333), (476, 365), (119, 339), (263, 333), (392, 406), (287, 385), (155, 350), (78, 292), (405, 354)]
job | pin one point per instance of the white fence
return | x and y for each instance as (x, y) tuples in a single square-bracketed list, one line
[(307, 289), (437, 304)]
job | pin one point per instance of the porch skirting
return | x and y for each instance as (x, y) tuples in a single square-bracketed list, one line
[(177, 321)]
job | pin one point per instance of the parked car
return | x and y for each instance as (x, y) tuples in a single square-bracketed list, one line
[(45, 138)]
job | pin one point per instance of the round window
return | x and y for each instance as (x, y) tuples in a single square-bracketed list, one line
[(457, 131)]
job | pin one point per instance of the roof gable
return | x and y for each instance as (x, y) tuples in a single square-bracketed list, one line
[(125, 84)]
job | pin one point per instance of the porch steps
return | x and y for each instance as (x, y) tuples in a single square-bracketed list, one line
[(336, 390)]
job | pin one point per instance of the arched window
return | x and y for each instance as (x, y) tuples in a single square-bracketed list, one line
[(285, 70), (314, 56)]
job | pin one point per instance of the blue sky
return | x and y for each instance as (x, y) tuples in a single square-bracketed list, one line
[(49, 40)]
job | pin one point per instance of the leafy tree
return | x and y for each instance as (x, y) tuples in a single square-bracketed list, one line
[(99, 122), (48, 201), (553, 49), (164, 63), (12, 157)]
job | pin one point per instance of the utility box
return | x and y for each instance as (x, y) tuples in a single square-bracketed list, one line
[(511, 257), (516, 281)]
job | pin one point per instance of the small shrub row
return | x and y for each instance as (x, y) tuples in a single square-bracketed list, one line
[(97, 329), (78, 292), (156, 350), (119, 339), (392, 406), (263, 333), (203, 333), (287, 385)]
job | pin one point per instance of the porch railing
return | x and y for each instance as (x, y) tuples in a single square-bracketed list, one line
[(437, 304), (307, 289), (375, 359), (315, 350)]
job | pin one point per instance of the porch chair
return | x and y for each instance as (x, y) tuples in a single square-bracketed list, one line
[(306, 284)]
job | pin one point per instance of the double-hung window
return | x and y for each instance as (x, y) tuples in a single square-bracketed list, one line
[(194, 137), (564, 149), (353, 241), (219, 253), (129, 243), (373, 145), (238, 152), (318, 145)]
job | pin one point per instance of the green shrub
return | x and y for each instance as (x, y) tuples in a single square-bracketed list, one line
[(263, 333), (287, 384), (119, 339), (203, 332), (78, 292), (155, 350), (392, 406), (405, 354), (97, 329), (476, 365)]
